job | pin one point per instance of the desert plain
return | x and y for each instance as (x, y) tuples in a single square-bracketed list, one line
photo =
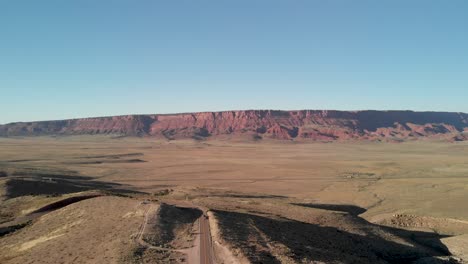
[(104, 199)]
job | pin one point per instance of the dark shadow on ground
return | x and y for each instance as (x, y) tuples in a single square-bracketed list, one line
[(23, 221), (350, 209), (23, 184), (305, 242), (247, 196), (5, 230), (425, 239), (103, 161), (170, 224), (47, 175), (114, 156), (64, 202), (24, 160)]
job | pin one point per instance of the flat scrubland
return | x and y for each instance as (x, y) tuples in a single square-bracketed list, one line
[(273, 201)]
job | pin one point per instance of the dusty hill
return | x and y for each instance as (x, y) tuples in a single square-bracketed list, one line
[(258, 124)]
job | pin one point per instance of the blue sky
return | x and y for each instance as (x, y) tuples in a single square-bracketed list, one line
[(65, 59)]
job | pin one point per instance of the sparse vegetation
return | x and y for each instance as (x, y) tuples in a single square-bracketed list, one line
[(135, 255), (257, 191), (163, 192)]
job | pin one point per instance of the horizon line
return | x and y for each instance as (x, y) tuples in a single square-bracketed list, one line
[(224, 111)]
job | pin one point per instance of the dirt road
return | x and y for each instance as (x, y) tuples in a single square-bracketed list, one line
[(202, 250), (206, 250)]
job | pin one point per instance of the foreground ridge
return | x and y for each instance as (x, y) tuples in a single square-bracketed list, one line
[(318, 125)]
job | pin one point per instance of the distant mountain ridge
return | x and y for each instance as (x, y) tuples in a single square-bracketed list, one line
[(318, 125)]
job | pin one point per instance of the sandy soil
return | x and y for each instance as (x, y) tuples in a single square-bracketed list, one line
[(415, 186), (92, 231)]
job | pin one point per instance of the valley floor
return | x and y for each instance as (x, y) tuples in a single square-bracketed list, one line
[(404, 201)]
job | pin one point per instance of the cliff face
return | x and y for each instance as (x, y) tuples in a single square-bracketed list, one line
[(305, 124)]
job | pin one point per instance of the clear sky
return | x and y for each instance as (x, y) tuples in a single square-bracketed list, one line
[(65, 59)]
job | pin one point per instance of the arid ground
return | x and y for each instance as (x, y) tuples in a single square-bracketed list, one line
[(266, 202)]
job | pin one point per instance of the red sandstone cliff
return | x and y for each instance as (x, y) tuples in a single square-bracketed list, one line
[(305, 124)]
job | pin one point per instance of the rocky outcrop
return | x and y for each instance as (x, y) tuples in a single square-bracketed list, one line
[(297, 125)]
